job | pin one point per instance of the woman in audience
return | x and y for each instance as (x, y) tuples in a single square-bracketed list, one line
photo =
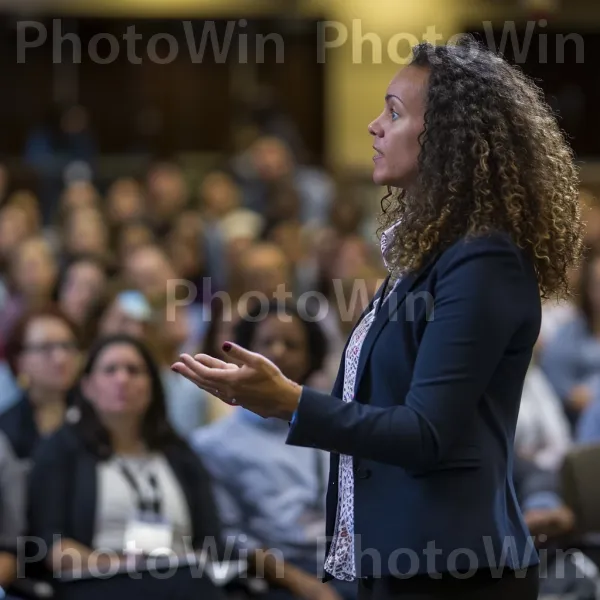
[(124, 201), (92, 481), (571, 358), (43, 354), (86, 232), (121, 309), (82, 285), (33, 273), (273, 495)]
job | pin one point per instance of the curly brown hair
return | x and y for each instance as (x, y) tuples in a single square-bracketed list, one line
[(492, 158)]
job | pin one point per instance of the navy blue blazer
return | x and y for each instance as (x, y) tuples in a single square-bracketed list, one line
[(432, 424)]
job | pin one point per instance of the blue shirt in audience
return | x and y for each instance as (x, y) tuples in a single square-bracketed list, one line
[(10, 393), (571, 357), (588, 425), (268, 492)]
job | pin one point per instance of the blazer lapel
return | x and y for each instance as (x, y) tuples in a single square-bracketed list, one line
[(385, 313)]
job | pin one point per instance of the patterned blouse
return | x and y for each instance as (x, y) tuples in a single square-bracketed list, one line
[(340, 562)]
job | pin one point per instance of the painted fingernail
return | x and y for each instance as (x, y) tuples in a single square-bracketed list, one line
[(226, 346)]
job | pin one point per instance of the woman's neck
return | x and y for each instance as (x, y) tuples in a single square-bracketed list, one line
[(125, 435), (49, 409)]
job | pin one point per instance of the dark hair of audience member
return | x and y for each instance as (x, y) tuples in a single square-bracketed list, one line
[(157, 433), (246, 329), (16, 339)]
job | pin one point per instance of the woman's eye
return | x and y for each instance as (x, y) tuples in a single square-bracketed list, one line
[(395, 115)]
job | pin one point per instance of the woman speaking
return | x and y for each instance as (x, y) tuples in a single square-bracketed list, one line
[(482, 224)]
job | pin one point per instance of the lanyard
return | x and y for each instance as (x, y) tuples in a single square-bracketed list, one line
[(144, 505)]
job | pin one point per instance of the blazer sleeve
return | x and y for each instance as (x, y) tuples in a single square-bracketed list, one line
[(48, 489), (476, 313), (12, 497)]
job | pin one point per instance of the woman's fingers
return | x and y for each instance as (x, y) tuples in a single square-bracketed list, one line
[(219, 390), (210, 374), (241, 356), (212, 362)]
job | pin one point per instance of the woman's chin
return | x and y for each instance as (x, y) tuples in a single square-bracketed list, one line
[(380, 178)]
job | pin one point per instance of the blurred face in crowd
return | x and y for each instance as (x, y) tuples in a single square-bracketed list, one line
[(87, 233), (29, 203), (149, 270), (79, 194), (184, 245), (219, 194), (173, 328), (271, 159), (396, 131), (128, 313), (125, 201), (50, 358), (167, 190), (83, 284), (284, 341), (14, 228), (346, 217), (132, 237), (265, 268), (119, 383), (283, 203), (34, 269), (288, 236), (352, 255)]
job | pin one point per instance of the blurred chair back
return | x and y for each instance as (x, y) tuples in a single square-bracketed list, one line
[(580, 476)]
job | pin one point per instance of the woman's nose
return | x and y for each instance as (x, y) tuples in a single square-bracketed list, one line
[(374, 128)]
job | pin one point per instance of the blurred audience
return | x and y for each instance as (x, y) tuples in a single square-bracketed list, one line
[(571, 358), (125, 273)]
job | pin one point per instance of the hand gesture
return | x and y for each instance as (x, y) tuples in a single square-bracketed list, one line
[(250, 380)]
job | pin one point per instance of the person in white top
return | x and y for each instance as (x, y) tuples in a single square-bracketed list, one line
[(117, 479)]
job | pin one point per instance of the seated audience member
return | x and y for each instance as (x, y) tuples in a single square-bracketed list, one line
[(43, 354), (272, 495), (588, 425), (543, 509), (12, 512), (571, 358), (82, 284), (186, 402), (569, 569), (120, 310), (125, 201), (543, 432), (118, 469), (33, 274)]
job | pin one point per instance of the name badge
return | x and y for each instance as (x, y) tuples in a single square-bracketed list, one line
[(147, 533)]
